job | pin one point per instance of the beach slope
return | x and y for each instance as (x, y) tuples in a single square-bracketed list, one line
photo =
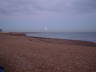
[(19, 53)]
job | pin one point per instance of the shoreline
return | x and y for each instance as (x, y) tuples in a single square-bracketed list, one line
[(23, 34), (66, 41)]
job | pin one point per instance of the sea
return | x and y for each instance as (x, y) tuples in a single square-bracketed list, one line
[(84, 36)]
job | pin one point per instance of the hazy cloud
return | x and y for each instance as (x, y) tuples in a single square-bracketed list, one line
[(17, 6), (25, 7), (85, 5)]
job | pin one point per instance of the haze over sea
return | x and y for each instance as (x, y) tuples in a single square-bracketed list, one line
[(84, 36)]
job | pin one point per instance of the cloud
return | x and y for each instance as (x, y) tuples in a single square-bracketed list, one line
[(85, 6), (8, 7), (29, 7)]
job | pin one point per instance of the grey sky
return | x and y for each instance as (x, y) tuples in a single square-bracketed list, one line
[(57, 15)]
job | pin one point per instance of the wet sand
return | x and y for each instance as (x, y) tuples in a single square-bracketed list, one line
[(19, 53)]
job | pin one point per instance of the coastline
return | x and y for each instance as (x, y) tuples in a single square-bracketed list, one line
[(46, 54)]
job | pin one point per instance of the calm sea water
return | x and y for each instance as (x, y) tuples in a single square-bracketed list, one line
[(84, 36)]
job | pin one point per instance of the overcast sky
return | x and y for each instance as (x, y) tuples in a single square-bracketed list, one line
[(48, 15)]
